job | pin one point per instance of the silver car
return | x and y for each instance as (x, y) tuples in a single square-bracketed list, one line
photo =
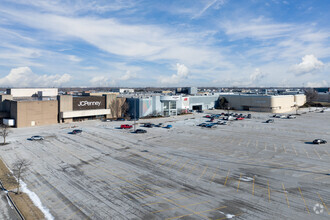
[(36, 138)]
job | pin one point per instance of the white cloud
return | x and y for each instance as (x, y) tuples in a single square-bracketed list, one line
[(256, 75), (182, 73), (144, 42), (309, 64), (214, 3), (317, 84), (74, 58), (100, 81), (128, 76), (24, 77), (258, 28)]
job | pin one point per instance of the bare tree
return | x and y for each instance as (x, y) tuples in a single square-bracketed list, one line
[(223, 103), (311, 96), (19, 168), (124, 109), (296, 107), (4, 132), (115, 108)]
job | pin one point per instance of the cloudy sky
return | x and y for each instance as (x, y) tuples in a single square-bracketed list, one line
[(164, 43)]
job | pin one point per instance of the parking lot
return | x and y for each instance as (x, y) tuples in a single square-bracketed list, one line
[(247, 169)]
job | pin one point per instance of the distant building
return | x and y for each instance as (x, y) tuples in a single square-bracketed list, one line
[(186, 90), (123, 90), (264, 103), (32, 92)]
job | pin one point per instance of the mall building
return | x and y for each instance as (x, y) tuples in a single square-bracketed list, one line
[(43, 106), (36, 107)]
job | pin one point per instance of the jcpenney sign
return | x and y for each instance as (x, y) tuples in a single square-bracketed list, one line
[(88, 102), (84, 103)]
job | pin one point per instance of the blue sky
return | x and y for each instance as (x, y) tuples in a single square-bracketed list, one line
[(135, 43)]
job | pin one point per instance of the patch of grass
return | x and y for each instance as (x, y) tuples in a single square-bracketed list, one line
[(26, 207), (22, 200)]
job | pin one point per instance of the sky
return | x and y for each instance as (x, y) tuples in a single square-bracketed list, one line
[(149, 43)]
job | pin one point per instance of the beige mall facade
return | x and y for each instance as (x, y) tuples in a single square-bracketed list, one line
[(265, 103)]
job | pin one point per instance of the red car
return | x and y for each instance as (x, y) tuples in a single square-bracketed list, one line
[(239, 118), (125, 126), (207, 116)]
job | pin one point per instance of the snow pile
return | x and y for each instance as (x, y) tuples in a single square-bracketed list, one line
[(246, 179), (36, 201), (230, 216)]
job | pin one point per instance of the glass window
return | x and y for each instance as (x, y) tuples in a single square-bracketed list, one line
[(173, 105), (166, 105)]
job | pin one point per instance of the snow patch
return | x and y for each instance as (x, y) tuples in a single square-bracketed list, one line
[(246, 179), (230, 216), (36, 201)]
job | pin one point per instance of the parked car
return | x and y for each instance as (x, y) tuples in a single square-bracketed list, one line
[(159, 125), (319, 141), (270, 121), (202, 124), (107, 120), (249, 116), (125, 126), (37, 138), (168, 126), (239, 118), (120, 119), (282, 116), (207, 116), (76, 131), (211, 125), (291, 116), (140, 131), (148, 125)]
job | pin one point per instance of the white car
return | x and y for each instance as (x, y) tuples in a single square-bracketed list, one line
[(282, 116), (36, 138), (291, 116)]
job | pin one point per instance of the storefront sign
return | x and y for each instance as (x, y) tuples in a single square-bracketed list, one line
[(88, 102)]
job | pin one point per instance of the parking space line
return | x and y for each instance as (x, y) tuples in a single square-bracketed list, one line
[(265, 146), (286, 196), (294, 150), (184, 165), (173, 163), (215, 173), (284, 148), (164, 162), (275, 149), (210, 210), (306, 152), (303, 199), (317, 154), (248, 143), (75, 213), (226, 177), (323, 203), (184, 197), (268, 191), (173, 208), (239, 181), (193, 168), (203, 172)]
